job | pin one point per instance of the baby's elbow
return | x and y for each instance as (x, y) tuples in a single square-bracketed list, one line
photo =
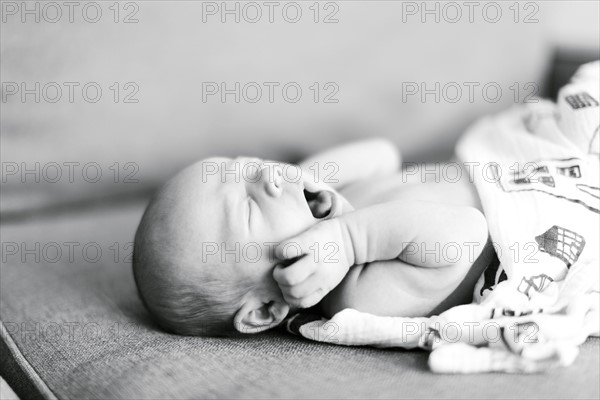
[(478, 224), (474, 232)]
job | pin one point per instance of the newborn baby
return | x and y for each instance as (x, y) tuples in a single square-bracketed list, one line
[(235, 245)]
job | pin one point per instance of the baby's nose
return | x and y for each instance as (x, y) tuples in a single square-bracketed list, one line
[(273, 179)]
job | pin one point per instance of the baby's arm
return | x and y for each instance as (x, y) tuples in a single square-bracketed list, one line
[(413, 231), (409, 231), (348, 163)]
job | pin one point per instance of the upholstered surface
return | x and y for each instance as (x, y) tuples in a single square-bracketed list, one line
[(76, 329)]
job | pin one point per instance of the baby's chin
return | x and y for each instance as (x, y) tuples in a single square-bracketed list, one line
[(345, 205)]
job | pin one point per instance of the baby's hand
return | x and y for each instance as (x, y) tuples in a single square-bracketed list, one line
[(324, 254)]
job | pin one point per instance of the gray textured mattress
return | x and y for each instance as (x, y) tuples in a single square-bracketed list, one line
[(73, 327)]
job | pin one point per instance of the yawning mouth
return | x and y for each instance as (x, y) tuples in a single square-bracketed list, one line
[(321, 203)]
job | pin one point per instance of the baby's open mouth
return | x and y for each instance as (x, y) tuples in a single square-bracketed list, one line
[(321, 203)]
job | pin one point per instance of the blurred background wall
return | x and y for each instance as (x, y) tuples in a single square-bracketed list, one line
[(372, 57)]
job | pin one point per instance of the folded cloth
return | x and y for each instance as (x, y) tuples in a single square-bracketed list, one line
[(536, 169)]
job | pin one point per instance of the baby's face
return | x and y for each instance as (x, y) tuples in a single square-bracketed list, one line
[(231, 213)]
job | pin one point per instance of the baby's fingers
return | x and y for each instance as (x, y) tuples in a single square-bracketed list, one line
[(297, 272), (296, 246), (307, 301), (303, 289)]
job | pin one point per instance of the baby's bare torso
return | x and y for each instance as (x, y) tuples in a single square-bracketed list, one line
[(394, 288)]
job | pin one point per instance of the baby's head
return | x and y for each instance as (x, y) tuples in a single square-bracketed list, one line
[(203, 255)]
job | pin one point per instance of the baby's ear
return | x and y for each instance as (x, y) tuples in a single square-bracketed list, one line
[(256, 316)]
